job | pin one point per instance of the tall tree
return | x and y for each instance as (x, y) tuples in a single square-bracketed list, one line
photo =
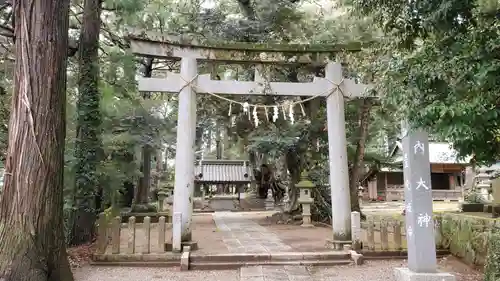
[(88, 146), (32, 243), (357, 165), (438, 65), (142, 191)]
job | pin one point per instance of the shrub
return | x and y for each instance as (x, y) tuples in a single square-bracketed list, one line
[(474, 197)]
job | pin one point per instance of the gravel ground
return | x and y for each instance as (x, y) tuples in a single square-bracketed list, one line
[(150, 274), (372, 270)]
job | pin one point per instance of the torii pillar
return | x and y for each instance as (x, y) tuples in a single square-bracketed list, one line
[(337, 158), (184, 157)]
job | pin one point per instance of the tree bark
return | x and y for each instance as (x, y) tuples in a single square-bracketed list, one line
[(142, 191), (32, 246), (364, 118), (88, 146)]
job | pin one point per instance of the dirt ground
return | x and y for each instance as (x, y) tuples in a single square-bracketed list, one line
[(377, 270), (299, 238), (313, 239), (204, 232)]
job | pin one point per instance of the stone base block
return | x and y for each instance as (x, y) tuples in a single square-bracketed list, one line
[(337, 244), (185, 261), (193, 246), (405, 274)]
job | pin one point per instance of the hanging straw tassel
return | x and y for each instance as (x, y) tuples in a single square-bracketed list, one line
[(302, 109)]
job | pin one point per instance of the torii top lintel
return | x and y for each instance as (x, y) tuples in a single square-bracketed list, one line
[(158, 45)]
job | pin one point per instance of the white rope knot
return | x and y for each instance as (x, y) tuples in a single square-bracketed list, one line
[(188, 83), (337, 87)]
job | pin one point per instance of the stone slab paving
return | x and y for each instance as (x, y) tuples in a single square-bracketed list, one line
[(242, 235), (274, 273)]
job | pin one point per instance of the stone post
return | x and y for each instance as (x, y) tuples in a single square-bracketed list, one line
[(269, 200), (356, 231), (176, 232), (337, 152), (305, 198), (184, 157), (422, 263), (286, 198), (203, 197)]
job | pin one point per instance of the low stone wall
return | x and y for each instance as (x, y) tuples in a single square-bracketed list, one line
[(465, 236)]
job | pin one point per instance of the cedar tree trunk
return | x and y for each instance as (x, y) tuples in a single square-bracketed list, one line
[(88, 139), (32, 246)]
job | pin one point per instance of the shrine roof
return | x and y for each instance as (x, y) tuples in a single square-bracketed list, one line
[(162, 45), (223, 171), (439, 153)]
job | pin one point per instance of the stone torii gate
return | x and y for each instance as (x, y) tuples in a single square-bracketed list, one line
[(191, 52)]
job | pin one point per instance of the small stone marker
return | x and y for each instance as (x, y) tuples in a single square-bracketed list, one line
[(422, 262), (269, 202), (185, 258), (176, 232), (356, 230)]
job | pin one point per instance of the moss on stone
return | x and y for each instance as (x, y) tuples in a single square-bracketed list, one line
[(164, 45), (492, 267), (192, 41), (465, 236), (143, 208)]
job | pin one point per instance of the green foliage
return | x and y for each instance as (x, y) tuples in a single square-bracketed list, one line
[(474, 196), (438, 64)]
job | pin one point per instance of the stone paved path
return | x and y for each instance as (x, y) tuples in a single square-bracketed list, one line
[(242, 235)]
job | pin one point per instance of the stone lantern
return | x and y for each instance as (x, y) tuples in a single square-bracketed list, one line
[(162, 195), (169, 195), (305, 198)]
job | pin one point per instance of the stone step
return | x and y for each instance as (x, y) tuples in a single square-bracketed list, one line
[(238, 264), (137, 263), (264, 257), (390, 254)]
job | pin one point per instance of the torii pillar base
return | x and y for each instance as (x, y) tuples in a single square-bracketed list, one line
[(405, 274), (192, 244)]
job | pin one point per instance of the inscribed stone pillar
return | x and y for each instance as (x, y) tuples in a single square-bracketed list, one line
[(418, 200), (337, 152), (184, 157), (422, 264)]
